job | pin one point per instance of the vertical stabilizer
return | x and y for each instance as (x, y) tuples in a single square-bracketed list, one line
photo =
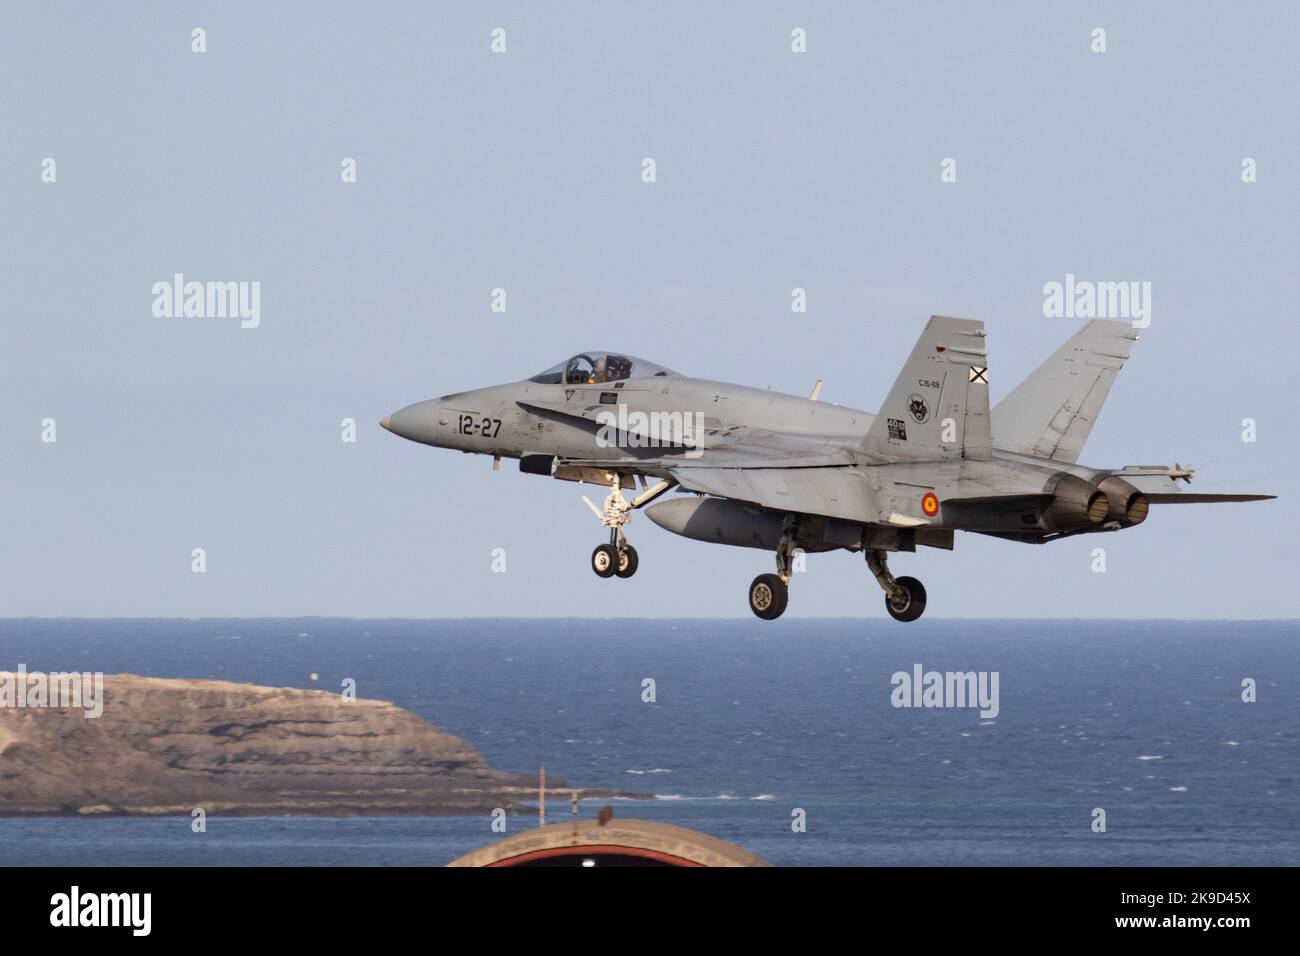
[(938, 408), (1050, 414)]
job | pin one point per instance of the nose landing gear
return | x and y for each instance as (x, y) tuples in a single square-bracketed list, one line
[(627, 561), (618, 557), (604, 560)]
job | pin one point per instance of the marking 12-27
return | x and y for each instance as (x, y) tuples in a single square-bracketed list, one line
[(473, 425)]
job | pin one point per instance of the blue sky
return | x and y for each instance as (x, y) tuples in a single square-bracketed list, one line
[(521, 170)]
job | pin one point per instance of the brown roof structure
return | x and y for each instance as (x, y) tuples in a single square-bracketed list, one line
[(616, 843)]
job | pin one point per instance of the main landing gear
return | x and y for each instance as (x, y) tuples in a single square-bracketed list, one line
[(904, 597), (618, 557), (768, 596), (770, 593)]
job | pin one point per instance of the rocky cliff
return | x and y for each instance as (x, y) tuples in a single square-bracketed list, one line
[(169, 746)]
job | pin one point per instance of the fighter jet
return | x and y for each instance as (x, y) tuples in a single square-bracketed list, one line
[(791, 474)]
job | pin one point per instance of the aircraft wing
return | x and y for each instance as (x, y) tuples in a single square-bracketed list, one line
[(1196, 498), (828, 484), (734, 447), (831, 491), (1160, 484), (728, 446), (781, 471)]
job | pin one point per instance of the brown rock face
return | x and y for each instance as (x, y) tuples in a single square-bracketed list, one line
[(169, 746)]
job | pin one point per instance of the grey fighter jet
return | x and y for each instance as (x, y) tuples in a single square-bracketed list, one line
[(787, 474)]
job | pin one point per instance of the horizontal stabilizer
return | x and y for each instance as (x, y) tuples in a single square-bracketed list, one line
[(1195, 498)]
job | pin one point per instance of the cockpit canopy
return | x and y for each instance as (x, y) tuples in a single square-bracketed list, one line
[(593, 368)]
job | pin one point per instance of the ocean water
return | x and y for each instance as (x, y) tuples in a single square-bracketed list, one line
[(755, 720)]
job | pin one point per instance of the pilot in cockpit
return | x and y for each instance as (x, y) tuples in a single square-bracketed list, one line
[(617, 368)]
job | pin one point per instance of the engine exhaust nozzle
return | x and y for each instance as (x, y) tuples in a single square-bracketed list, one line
[(1128, 506), (1075, 505)]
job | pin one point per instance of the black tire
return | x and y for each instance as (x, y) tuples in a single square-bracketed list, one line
[(915, 600), (604, 561), (768, 596), (627, 562)]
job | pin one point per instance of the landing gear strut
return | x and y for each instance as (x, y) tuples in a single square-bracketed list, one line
[(618, 557), (904, 597), (770, 593)]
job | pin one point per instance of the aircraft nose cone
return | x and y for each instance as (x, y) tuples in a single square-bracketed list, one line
[(386, 423), (418, 422)]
